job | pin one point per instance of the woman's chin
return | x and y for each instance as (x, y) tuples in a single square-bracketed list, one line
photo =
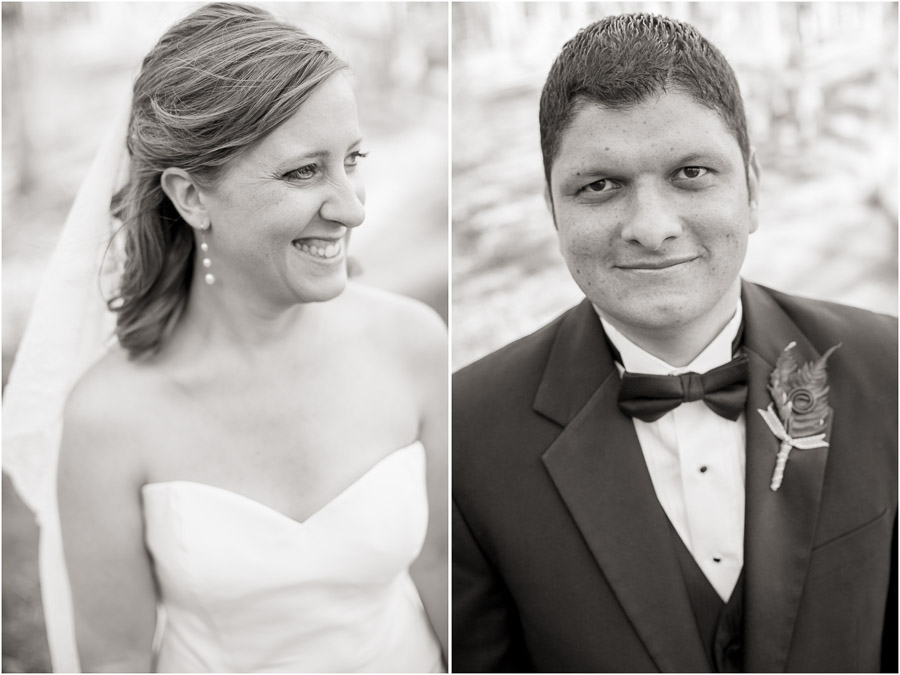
[(323, 290)]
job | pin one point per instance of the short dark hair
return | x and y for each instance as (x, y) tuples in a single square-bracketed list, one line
[(622, 60)]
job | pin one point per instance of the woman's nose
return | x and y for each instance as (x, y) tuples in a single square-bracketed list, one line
[(651, 220), (345, 201)]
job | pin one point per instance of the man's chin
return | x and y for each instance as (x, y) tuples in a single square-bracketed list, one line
[(664, 314), (667, 316)]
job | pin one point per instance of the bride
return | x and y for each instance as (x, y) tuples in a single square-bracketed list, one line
[(263, 454)]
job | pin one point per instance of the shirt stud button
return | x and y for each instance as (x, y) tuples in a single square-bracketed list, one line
[(717, 559), (703, 469)]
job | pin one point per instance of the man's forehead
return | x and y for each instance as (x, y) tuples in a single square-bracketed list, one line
[(667, 125)]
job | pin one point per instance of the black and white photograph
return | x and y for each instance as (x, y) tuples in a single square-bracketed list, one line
[(225, 345), (674, 408), (461, 336)]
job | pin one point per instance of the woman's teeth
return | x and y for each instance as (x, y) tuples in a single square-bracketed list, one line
[(320, 249)]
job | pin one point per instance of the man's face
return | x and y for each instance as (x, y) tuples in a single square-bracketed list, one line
[(653, 212)]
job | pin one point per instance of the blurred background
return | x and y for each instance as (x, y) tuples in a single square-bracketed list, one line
[(66, 69), (819, 82)]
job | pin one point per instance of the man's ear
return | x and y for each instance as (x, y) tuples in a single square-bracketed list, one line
[(753, 173), (184, 194), (548, 200)]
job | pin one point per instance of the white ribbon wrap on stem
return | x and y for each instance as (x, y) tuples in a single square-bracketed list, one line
[(788, 443)]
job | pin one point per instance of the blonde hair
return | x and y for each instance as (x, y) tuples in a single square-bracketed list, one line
[(217, 81)]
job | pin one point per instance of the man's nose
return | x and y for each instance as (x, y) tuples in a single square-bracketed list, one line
[(344, 202), (651, 218)]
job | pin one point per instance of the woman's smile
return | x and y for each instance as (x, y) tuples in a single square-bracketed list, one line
[(321, 249)]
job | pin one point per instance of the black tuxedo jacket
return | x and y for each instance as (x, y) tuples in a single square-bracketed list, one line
[(563, 559)]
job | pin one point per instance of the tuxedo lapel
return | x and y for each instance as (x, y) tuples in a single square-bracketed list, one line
[(779, 526), (598, 468)]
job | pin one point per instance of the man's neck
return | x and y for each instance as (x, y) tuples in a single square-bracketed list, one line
[(680, 345)]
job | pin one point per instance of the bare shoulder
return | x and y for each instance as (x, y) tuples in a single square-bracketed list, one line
[(108, 389), (105, 413), (399, 322)]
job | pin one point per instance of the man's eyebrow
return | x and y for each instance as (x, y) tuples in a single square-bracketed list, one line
[(706, 156), (590, 167), (598, 166)]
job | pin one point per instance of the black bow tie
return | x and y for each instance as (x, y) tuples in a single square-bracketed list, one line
[(722, 389)]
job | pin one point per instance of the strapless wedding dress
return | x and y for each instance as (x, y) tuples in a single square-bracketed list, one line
[(247, 589)]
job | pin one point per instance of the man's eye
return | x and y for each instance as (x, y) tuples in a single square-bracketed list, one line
[(602, 185), (692, 172), (303, 173)]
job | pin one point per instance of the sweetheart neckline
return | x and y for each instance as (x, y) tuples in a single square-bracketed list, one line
[(270, 509)]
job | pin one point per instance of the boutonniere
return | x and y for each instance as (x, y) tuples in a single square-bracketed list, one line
[(800, 395)]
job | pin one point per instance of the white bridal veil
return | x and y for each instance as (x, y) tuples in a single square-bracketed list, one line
[(70, 327)]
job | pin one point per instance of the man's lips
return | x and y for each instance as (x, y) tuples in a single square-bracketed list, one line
[(655, 263)]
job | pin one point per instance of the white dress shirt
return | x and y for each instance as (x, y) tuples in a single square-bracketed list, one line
[(696, 461)]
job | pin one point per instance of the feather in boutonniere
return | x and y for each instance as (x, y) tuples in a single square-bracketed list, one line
[(800, 396)]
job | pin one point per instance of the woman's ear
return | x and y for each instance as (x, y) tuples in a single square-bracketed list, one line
[(183, 192)]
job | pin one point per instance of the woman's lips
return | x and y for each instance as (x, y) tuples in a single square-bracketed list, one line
[(324, 249)]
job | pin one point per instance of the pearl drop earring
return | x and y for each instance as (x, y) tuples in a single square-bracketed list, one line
[(209, 278)]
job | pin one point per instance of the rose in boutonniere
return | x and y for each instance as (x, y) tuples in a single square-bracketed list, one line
[(800, 396)]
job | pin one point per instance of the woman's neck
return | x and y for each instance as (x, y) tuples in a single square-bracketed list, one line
[(220, 323)]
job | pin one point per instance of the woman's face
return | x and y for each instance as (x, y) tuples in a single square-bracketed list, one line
[(282, 211)]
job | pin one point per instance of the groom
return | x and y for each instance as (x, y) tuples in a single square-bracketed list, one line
[(685, 472)]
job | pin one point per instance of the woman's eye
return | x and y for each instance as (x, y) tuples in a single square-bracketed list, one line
[(692, 172), (354, 157), (303, 173)]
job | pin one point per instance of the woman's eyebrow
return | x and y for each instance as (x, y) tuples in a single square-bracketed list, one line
[(305, 156)]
